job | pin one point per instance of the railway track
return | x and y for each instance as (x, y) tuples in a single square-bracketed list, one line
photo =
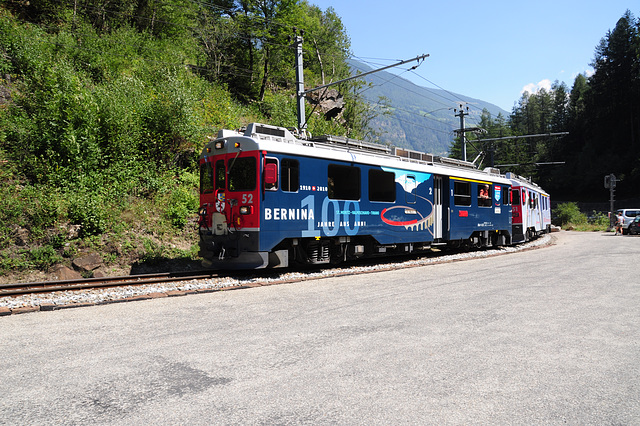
[(91, 283)]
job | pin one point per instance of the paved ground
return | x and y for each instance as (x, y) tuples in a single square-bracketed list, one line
[(546, 336)]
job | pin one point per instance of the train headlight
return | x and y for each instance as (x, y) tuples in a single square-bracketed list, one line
[(246, 209), (220, 144)]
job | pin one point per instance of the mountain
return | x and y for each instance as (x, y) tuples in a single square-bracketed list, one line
[(419, 118)]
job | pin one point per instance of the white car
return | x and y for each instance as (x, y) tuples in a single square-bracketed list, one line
[(628, 215)]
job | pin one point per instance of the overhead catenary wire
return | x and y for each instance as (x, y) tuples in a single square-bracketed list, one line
[(447, 106), (453, 100), (419, 94)]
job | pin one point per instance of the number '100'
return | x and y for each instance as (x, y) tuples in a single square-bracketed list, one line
[(332, 217)]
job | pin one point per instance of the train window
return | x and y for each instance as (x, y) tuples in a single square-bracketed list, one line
[(343, 182), (206, 178), (242, 174), (221, 175), (515, 197), (290, 175), (271, 174), (382, 186), (461, 193), (484, 195), (505, 195)]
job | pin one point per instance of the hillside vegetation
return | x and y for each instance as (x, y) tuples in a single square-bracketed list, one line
[(104, 108)]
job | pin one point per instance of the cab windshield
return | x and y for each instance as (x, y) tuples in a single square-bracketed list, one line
[(241, 174)]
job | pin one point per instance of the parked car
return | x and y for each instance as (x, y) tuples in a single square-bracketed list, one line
[(629, 215), (634, 226)]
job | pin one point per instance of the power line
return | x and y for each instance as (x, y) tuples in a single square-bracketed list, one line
[(423, 88)]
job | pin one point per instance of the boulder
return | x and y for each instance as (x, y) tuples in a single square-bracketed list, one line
[(62, 272), (87, 263), (331, 102)]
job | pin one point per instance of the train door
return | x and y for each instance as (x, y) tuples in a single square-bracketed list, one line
[(538, 205), (438, 219)]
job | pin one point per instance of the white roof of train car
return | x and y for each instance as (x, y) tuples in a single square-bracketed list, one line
[(277, 139), (524, 182)]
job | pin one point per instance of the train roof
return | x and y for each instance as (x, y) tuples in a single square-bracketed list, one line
[(524, 182), (281, 140)]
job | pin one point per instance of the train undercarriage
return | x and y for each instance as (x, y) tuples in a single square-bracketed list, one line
[(233, 253)]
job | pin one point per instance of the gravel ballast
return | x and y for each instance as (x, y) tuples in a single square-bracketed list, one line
[(66, 299)]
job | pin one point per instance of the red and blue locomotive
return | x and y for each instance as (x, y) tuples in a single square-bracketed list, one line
[(269, 199)]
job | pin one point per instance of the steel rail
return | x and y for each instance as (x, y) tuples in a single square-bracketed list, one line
[(87, 283)]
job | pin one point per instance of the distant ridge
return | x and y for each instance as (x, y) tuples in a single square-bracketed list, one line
[(421, 118)]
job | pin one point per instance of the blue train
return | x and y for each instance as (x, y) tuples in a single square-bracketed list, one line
[(269, 199)]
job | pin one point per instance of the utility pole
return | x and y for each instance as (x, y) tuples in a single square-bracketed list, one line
[(302, 121), (463, 137), (610, 183)]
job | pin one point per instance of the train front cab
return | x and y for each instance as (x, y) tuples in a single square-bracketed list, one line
[(232, 171), (480, 213)]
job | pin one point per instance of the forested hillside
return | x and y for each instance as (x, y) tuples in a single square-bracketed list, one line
[(601, 112), (104, 107)]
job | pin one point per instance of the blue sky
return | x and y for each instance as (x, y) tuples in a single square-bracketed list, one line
[(489, 50)]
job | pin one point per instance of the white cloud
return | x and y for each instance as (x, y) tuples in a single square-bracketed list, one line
[(535, 87), (587, 73)]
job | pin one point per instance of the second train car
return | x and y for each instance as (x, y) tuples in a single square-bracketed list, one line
[(531, 209)]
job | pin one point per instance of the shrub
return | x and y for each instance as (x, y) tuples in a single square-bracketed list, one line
[(183, 202), (88, 211), (569, 213), (281, 109), (599, 219), (152, 251), (44, 257)]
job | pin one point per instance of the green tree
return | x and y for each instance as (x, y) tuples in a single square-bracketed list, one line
[(605, 114)]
